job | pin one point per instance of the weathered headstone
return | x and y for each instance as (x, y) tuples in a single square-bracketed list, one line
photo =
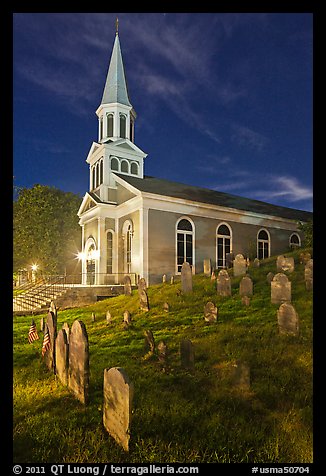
[(304, 257), (239, 265), (118, 394), (53, 309), (143, 300), (309, 275), (187, 354), (210, 312), (142, 284), (213, 277), (288, 320), (164, 278), (269, 277), (66, 328), (246, 286), (126, 319), (186, 278), (49, 356), (241, 375), (78, 375), (256, 263), (285, 264), (93, 317), (172, 280), (166, 307), (127, 285), (229, 257), (162, 349), (149, 341), (108, 317), (245, 300), (62, 356), (223, 283), (280, 289), (207, 267)]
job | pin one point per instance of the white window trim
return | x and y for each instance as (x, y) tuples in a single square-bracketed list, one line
[(259, 240), (298, 236), (125, 227), (223, 236), (193, 243)]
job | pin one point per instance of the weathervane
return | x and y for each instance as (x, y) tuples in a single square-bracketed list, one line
[(116, 26)]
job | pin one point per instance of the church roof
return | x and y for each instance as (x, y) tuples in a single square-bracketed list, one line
[(115, 89), (213, 197)]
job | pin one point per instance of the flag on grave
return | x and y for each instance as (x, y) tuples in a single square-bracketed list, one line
[(32, 333), (46, 341)]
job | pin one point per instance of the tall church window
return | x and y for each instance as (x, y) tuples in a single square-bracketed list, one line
[(263, 244), (109, 252), (93, 177), (110, 125), (295, 241), (101, 172), (134, 168), (131, 132), (185, 243), (223, 244), (101, 127), (127, 234), (122, 126)]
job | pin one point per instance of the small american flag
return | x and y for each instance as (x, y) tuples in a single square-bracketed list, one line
[(32, 333), (46, 341)]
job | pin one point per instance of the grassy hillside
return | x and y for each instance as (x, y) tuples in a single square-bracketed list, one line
[(179, 416)]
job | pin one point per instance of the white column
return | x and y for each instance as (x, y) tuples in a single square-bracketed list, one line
[(101, 240)]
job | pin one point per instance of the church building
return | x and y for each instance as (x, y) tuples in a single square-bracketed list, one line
[(141, 226)]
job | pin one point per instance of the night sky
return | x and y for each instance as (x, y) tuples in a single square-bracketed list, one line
[(223, 101)]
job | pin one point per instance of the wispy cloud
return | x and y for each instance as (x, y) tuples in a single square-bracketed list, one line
[(244, 136), (284, 187)]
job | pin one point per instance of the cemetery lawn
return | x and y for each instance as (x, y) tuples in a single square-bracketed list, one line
[(178, 415)]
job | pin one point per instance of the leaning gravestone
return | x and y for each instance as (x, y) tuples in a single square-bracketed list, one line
[(143, 300), (207, 267), (285, 264), (66, 328), (127, 285), (62, 356), (309, 275), (187, 354), (239, 265), (246, 286), (149, 341), (78, 375), (223, 283), (142, 284), (241, 375), (269, 277), (210, 312), (186, 278), (118, 394), (108, 317), (49, 356), (280, 289), (288, 320)]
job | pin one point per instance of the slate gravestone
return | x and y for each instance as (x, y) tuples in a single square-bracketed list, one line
[(256, 263), (143, 300), (229, 257), (78, 374), (49, 356), (239, 265), (269, 277), (280, 289), (309, 275), (42, 324), (162, 349), (166, 307), (288, 320), (223, 283), (127, 319), (285, 264), (241, 375), (62, 356), (66, 328), (304, 258), (142, 284), (246, 286), (149, 341), (186, 278), (187, 354), (127, 285), (118, 392), (245, 300), (210, 312), (207, 267), (108, 317)]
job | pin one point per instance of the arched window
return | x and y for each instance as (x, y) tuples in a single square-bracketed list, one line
[(122, 126), (109, 252), (185, 243), (263, 244), (124, 166), (223, 244), (101, 127), (110, 125), (114, 164), (295, 241), (101, 172), (97, 175), (127, 234), (93, 177), (134, 168)]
